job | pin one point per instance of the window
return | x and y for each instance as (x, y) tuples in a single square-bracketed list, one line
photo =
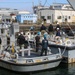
[(57, 7), (69, 17), (42, 17), (59, 17), (48, 17)]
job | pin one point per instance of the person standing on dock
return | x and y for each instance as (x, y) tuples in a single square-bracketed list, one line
[(58, 26), (43, 27), (44, 46), (50, 28)]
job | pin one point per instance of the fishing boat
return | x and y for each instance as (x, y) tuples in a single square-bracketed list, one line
[(66, 44), (14, 58)]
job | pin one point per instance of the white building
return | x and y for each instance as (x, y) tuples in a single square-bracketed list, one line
[(23, 12), (61, 6), (7, 13), (26, 18), (57, 12), (57, 15)]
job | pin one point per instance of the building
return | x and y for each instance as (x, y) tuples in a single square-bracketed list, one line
[(57, 13), (23, 12), (6, 13), (26, 18), (39, 7), (61, 6)]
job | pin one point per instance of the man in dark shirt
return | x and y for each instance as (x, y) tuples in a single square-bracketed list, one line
[(21, 40), (50, 28), (58, 26), (58, 32), (44, 46), (37, 38), (42, 27)]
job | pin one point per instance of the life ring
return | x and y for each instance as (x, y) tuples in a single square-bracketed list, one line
[(59, 42), (68, 42)]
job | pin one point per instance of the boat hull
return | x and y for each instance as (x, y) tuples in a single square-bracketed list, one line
[(68, 52), (31, 66)]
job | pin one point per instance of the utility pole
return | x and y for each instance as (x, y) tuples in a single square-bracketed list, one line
[(33, 3), (33, 6)]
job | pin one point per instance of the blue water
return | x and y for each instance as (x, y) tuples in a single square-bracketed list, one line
[(62, 69)]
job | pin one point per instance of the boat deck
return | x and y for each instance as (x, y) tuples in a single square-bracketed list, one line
[(33, 54)]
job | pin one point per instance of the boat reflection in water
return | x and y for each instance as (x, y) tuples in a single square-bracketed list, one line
[(63, 69)]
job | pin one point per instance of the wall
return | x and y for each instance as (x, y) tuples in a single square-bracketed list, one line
[(65, 14), (46, 13), (27, 17)]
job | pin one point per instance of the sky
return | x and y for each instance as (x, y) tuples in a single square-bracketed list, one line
[(27, 4)]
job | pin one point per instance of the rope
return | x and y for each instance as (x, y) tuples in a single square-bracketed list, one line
[(72, 31), (64, 51)]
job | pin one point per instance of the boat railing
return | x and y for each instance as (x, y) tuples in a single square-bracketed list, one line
[(59, 51)]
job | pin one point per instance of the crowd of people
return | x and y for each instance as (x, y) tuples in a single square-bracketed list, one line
[(23, 39), (46, 33)]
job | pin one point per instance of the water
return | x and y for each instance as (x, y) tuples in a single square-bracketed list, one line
[(62, 69)]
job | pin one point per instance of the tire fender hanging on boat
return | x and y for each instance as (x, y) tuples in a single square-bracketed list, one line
[(13, 50), (68, 42)]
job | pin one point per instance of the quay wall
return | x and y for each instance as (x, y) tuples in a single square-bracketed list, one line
[(37, 27)]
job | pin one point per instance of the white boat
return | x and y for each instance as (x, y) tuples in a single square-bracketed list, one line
[(67, 46), (24, 60), (65, 43), (31, 63)]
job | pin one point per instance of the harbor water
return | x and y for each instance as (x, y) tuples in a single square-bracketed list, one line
[(62, 69)]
